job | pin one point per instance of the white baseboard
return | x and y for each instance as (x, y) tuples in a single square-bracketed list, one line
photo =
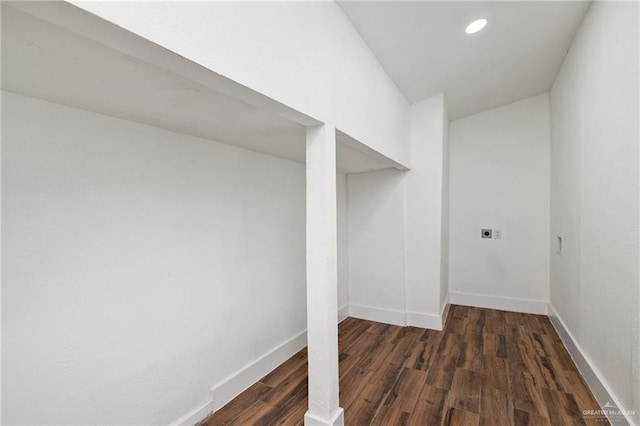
[(343, 313), (591, 374), (418, 319), (512, 304), (194, 416), (229, 388), (444, 312), (386, 316), (235, 384), (337, 419), (431, 321), (403, 319)]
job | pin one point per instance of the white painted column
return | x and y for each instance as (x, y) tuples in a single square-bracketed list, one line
[(322, 278), (426, 215)]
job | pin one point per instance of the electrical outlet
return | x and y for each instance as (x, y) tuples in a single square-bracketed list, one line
[(486, 233), (497, 234)]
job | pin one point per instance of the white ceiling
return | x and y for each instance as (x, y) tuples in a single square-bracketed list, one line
[(423, 47), (46, 61)]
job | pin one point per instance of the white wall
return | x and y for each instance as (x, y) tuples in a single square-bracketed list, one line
[(444, 246), (343, 260), (594, 197), (376, 245), (499, 178), (306, 55), (398, 240), (140, 267), (426, 208)]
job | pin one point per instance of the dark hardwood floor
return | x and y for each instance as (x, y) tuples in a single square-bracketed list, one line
[(487, 367)]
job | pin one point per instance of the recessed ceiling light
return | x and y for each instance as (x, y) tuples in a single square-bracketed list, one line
[(476, 26)]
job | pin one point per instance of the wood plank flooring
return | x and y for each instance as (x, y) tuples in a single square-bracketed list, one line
[(487, 367)]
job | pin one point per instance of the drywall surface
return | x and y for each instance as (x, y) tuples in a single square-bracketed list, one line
[(594, 195), (425, 198), (444, 247), (343, 262), (306, 55), (397, 246), (140, 267), (376, 240), (499, 179)]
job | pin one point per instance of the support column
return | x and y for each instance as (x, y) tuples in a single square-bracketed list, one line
[(426, 215), (322, 278)]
